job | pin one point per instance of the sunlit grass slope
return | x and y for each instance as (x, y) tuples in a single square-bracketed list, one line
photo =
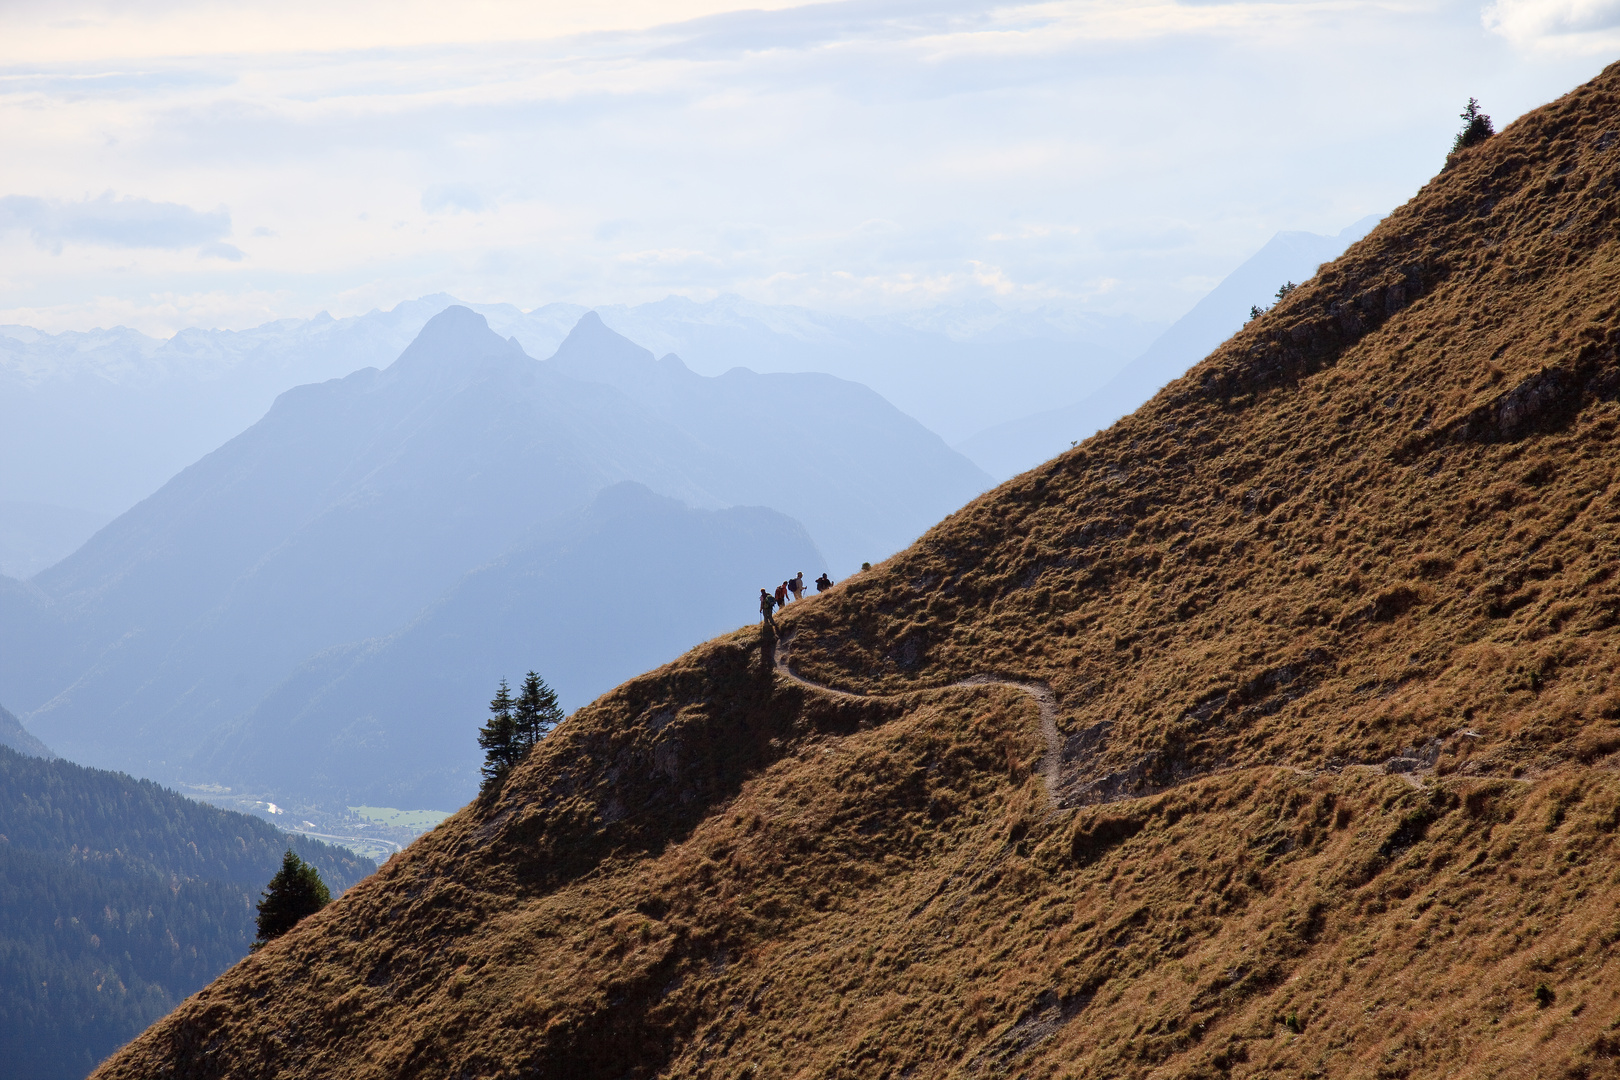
[(1332, 628)]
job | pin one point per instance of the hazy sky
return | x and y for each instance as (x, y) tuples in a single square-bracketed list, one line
[(173, 164)]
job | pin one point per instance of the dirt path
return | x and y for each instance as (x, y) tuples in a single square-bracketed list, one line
[(1040, 692)]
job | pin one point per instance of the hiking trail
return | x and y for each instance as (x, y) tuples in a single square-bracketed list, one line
[(1040, 692)]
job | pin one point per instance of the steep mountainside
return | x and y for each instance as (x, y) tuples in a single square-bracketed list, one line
[(14, 735), (590, 601), (1009, 448), (117, 899), (1290, 755), (356, 504), (35, 535)]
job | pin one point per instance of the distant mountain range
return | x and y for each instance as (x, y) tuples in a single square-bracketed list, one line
[(119, 898), (294, 609), (93, 422), (1007, 449), (1272, 732)]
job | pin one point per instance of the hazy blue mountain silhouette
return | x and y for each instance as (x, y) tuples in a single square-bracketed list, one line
[(862, 477), (957, 368), (97, 420), (14, 735), (92, 422), (621, 586), (356, 503), (1006, 449)]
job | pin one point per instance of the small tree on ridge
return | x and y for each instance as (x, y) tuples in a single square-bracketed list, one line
[(1476, 127), (536, 713), (296, 891), (498, 737)]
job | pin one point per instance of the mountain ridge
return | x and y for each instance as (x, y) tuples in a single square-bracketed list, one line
[(1329, 626), (1016, 445), (355, 504)]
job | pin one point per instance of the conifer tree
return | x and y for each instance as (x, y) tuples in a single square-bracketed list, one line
[(498, 738), (1477, 127), (536, 713), (296, 891)]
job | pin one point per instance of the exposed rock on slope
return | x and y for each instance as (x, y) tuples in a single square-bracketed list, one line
[(1330, 627)]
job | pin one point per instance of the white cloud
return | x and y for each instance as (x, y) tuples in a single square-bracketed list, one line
[(110, 221), (1581, 25), (76, 30), (859, 154)]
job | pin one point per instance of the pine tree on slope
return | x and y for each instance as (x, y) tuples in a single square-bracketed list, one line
[(536, 714), (1477, 127), (296, 891), (498, 737)]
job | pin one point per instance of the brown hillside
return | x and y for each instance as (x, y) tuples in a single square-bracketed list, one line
[(1331, 631)]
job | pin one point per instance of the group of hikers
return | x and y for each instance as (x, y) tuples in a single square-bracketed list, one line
[(793, 587)]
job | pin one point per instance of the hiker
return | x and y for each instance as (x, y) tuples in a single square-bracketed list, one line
[(767, 604), (797, 585), (823, 583), (781, 595)]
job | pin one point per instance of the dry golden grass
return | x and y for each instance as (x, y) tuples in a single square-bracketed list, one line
[(1332, 628)]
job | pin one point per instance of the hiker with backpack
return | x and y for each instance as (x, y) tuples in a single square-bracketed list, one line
[(781, 595), (796, 585), (823, 583), (767, 604)]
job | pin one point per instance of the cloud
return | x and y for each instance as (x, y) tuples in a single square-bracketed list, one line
[(108, 221), (856, 154), (1585, 24), (451, 197)]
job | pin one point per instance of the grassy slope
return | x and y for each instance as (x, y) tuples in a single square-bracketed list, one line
[(1379, 523)]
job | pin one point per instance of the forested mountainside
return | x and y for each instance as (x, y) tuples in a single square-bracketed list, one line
[(117, 899), (1267, 733)]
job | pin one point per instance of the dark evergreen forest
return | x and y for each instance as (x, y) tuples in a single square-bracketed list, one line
[(118, 898)]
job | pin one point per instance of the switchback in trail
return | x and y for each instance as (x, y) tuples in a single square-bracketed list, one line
[(1039, 692)]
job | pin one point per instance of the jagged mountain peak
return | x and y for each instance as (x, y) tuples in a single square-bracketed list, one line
[(592, 352), (595, 353), (457, 339)]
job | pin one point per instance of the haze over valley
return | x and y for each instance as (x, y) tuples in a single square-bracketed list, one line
[(841, 540)]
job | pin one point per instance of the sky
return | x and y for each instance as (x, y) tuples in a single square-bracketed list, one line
[(170, 164)]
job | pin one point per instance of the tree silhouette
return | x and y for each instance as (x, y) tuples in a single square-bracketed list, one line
[(498, 738), (1476, 127), (296, 890), (535, 714)]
